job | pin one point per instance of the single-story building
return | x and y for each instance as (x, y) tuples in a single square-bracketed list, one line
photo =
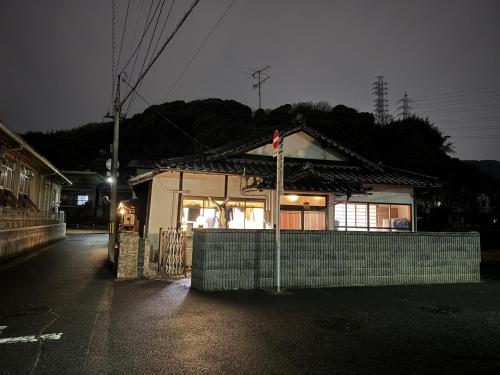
[(326, 187)]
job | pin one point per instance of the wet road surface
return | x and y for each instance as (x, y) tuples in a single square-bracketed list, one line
[(157, 327)]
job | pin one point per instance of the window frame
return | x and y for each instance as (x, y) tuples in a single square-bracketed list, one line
[(302, 209), (368, 228)]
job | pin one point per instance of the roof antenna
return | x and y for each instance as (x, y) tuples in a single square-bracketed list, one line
[(259, 76)]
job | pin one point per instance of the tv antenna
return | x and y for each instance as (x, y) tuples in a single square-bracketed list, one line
[(259, 76)]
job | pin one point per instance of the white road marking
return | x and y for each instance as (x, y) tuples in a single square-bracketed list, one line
[(2, 328), (31, 338)]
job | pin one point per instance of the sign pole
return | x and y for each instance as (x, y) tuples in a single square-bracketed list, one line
[(278, 153)]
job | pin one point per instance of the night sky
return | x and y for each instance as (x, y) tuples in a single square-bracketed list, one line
[(55, 61)]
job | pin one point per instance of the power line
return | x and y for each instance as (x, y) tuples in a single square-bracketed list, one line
[(163, 27), (148, 49), (141, 77), (113, 52), (165, 117), (122, 38), (462, 98), (137, 50), (147, 25), (186, 67), (459, 92)]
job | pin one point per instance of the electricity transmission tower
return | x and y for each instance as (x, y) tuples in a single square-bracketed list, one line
[(381, 91), (404, 107), (259, 76)]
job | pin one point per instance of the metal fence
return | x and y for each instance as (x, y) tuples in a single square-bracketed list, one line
[(22, 217), (172, 252), (87, 227)]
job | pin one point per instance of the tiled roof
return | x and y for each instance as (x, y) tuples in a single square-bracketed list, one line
[(143, 163), (303, 174), (299, 174)]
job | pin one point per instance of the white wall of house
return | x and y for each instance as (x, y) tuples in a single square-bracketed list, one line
[(301, 145), (164, 196), (165, 193)]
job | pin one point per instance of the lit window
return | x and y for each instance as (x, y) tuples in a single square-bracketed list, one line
[(372, 217), (240, 214), (81, 200)]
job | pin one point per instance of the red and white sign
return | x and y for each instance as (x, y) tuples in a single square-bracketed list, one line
[(276, 141)]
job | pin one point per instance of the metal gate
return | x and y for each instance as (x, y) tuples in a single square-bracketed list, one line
[(172, 252)]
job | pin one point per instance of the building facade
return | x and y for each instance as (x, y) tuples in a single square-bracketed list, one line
[(326, 187)]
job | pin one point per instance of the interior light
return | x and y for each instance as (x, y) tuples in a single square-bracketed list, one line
[(109, 180), (293, 198), (122, 211)]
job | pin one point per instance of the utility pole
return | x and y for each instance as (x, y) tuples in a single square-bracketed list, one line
[(380, 91), (405, 107), (114, 173), (259, 76)]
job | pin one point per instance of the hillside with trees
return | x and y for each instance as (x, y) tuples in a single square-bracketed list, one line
[(165, 130)]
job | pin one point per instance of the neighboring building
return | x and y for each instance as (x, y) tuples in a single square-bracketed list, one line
[(138, 167), (327, 187), (30, 192), (27, 179), (83, 201), (86, 202)]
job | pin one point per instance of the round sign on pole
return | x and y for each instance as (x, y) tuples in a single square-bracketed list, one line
[(108, 164)]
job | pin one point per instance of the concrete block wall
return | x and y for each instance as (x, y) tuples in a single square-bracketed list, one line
[(245, 259), (17, 241)]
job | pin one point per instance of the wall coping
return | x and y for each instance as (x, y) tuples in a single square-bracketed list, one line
[(341, 233)]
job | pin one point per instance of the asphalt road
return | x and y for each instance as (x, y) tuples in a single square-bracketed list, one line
[(156, 327)]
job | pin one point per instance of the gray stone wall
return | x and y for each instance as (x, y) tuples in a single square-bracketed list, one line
[(17, 241), (245, 259)]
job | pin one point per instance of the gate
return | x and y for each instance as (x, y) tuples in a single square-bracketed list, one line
[(172, 252)]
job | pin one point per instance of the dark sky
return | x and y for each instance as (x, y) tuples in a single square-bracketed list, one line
[(55, 61)]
